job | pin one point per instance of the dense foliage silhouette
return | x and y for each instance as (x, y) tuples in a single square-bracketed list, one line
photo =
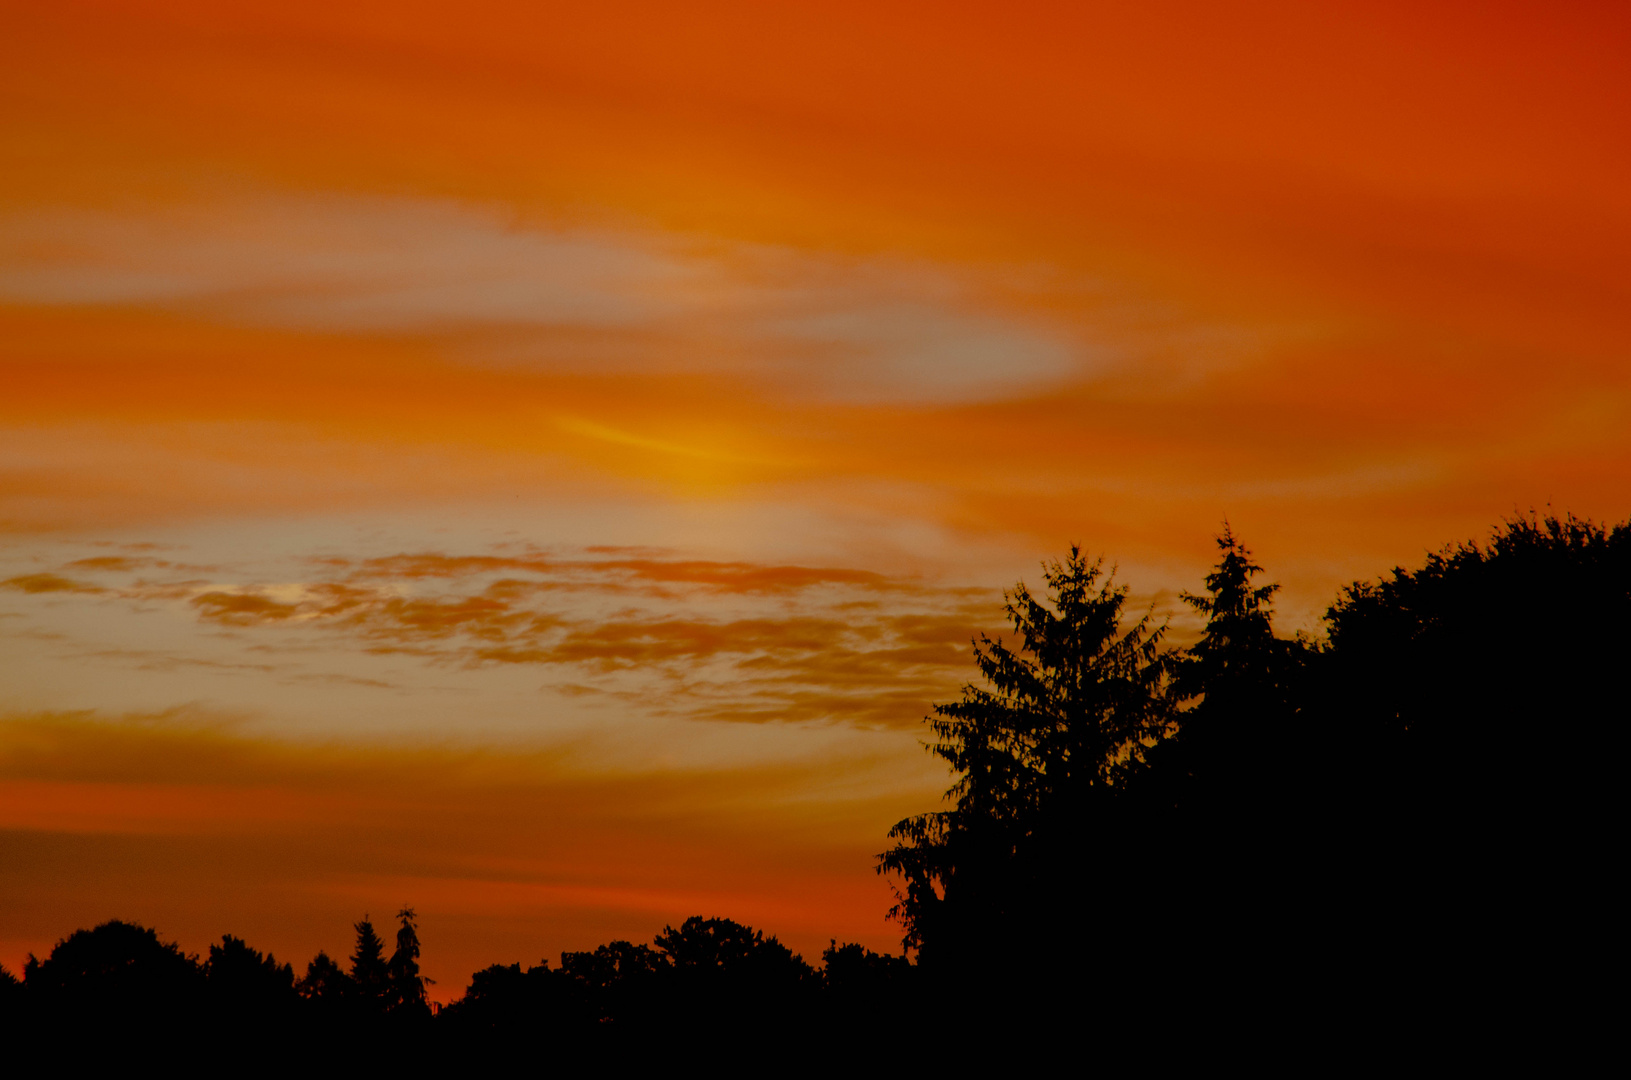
[(1470, 714), (1144, 844), (1260, 811)]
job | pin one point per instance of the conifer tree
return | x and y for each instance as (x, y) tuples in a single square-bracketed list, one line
[(369, 971), (407, 985), (1238, 636), (1239, 682), (1039, 759)]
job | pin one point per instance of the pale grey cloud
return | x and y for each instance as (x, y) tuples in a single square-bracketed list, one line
[(497, 290)]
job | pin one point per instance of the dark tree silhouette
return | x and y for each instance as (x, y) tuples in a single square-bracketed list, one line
[(119, 977), (869, 996), (712, 984), (714, 967), (616, 983), (1470, 712), (243, 978), (1238, 664), (1446, 681), (507, 1003), (855, 970), (325, 982), (1231, 761), (727, 948), (370, 974), (1040, 759), (1225, 825), (1251, 837), (11, 999), (407, 986)]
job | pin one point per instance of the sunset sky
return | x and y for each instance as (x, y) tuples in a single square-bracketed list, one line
[(539, 462)]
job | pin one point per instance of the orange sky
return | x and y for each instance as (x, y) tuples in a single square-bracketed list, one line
[(753, 349)]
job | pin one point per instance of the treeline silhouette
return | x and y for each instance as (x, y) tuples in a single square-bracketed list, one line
[(121, 984), (1412, 816), (1406, 821)]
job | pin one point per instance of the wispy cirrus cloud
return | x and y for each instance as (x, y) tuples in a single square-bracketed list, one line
[(617, 567)]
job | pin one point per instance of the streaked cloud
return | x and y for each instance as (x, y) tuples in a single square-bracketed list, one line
[(47, 583), (492, 289)]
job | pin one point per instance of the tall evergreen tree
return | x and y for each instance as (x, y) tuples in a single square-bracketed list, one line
[(370, 973), (1041, 759), (407, 985), (1238, 639), (1234, 740)]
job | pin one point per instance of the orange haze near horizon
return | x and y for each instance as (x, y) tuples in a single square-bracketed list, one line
[(539, 463)]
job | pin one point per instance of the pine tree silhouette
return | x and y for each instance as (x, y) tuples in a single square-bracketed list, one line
[(407, 986), (370, 974)]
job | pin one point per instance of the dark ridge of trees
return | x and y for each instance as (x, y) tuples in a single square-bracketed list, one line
[(1151, 851)]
